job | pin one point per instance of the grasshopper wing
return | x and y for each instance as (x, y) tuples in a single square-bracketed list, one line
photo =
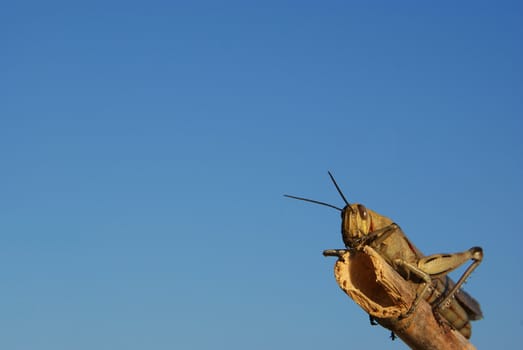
[(470, 304)]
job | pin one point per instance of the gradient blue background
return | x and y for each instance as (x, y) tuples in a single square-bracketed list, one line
[(145, 148)]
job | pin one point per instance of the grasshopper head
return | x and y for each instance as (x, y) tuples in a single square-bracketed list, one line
[(356, 222)]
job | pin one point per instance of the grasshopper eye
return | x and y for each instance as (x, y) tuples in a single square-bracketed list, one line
[(362, 211)]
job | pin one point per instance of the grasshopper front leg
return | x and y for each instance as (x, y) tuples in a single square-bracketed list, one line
[(375, 238)]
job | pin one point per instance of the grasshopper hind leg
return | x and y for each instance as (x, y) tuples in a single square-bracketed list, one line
[(441, 264)]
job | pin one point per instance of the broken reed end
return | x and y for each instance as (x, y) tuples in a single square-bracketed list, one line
[(379, 290)]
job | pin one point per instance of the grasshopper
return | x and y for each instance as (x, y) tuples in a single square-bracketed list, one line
[(361, 226)]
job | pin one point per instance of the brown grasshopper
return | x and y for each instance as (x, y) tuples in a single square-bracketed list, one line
[(361, 226)]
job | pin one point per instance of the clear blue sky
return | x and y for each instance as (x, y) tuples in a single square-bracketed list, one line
[(145, 148)]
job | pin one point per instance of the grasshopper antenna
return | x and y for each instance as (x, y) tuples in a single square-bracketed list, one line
[(338, 188), (313, 201)]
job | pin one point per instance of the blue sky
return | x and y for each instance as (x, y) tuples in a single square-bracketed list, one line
[(145, 148)]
